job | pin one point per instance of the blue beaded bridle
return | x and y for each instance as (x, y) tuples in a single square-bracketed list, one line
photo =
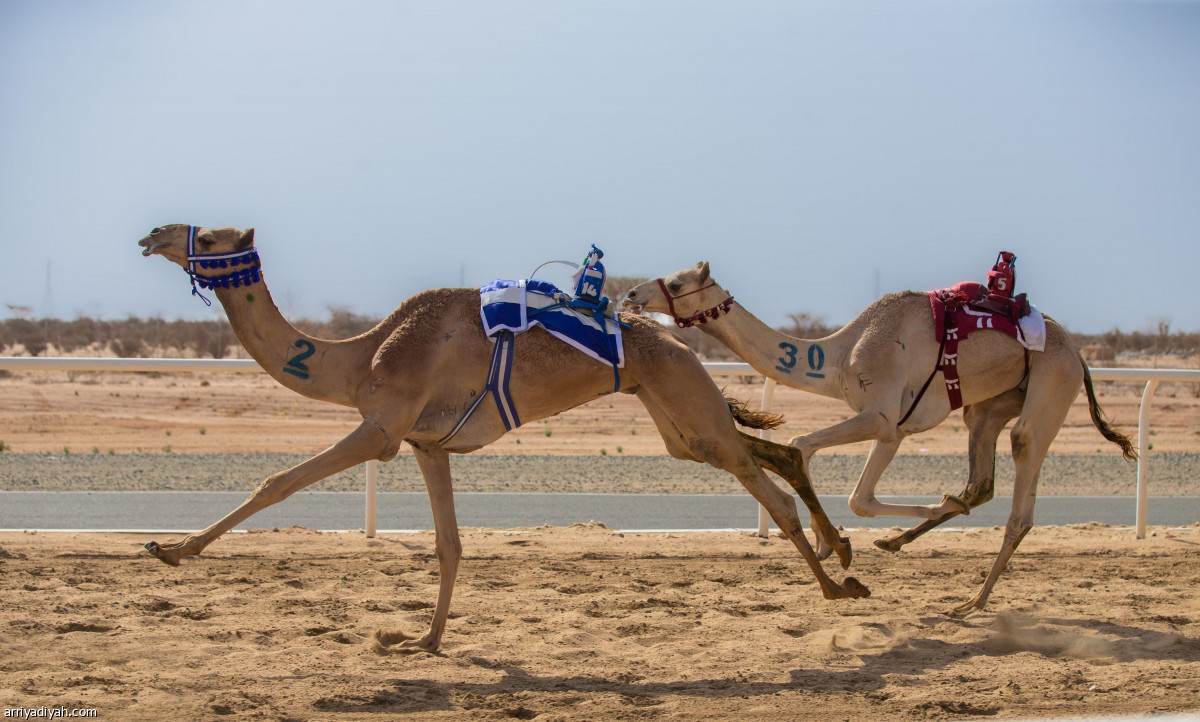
[(247, 276)]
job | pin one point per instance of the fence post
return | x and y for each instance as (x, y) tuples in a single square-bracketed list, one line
[(372, 475), (1143, 480), (768, 397)]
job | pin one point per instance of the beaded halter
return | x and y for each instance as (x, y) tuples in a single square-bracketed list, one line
[(699, 316), (247, 276)]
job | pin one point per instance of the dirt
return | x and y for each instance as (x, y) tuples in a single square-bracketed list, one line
[(250, 413), (583, 623), (579, 622)]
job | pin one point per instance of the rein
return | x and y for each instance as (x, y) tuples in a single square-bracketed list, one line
[(247, 276), (699, 316)]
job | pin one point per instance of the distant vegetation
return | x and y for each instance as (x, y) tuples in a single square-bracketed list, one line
[(154, 337), (151, 337)]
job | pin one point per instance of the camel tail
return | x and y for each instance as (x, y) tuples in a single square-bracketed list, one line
[(753, 419), (1102, 425)]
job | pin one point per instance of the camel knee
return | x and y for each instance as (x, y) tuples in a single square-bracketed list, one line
[(1020, 438), (806, 448), (786, 518), (449, 551), (273, 489), (779, 504), (977, 494), (860, 505), (1015, 531)]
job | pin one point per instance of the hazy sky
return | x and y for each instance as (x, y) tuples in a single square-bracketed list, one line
[(815, 153)]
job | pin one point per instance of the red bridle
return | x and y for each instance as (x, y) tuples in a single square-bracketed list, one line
[(699, 316)]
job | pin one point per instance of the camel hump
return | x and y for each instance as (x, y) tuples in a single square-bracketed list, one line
[(753, 419)]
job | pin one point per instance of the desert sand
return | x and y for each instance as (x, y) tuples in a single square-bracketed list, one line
[(584, 623), (86, 412), (580, 622)]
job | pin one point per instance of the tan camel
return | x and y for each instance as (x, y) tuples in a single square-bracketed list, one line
[(878, 364), (413, 376)]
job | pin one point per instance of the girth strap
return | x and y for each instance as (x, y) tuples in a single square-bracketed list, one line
[(948, 364), (937, 367), (497, 388)]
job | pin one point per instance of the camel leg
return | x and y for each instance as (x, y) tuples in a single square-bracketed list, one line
[(787, 462), (782, 509), (872, 425), (1045, 410), (984, 420), (864, 503), (782, 460), (435, 467), (677, 445), (710, 436), (363, 444)]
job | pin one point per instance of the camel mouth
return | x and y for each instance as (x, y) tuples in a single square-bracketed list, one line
[(631, 307), (151, 249)]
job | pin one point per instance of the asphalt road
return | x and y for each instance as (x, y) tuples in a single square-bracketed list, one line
[(192, 510)]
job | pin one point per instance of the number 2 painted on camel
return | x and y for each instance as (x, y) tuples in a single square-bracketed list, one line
[(295, 365)]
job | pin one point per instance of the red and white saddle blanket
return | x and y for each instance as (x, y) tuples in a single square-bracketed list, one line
[(967, 307)]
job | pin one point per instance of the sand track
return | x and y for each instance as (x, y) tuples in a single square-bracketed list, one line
[(558, 623)]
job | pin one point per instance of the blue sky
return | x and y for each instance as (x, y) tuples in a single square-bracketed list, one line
[(814, 153)]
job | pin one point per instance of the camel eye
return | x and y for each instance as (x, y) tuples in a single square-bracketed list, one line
[(674, 286)]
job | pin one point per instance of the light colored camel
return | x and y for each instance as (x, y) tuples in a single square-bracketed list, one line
[(878, 364), (413, 376)]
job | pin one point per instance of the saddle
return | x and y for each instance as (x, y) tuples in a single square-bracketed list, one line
[(969, 306), (508, 308)]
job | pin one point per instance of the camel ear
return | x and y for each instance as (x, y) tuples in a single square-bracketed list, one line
[(246, 240), (702, 267)]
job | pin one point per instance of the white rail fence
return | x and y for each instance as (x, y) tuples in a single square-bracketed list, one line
[(1151, 377)]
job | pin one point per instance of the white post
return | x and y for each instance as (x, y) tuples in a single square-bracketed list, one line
[(764, 519), (1143, 480), (372, 475)]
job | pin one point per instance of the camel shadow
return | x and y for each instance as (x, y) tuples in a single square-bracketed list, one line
[(523, 695)]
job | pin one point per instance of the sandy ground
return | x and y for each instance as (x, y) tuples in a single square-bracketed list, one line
[(583, 623), (574, 623), (251, 413)]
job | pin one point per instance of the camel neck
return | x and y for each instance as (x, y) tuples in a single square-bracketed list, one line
[(813, 365), (310, 366)]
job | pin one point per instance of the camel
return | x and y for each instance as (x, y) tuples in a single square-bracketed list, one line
[(413, 376), (878, 364)]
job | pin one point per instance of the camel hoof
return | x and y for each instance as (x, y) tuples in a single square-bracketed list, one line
[(966, 508), (845, 552), (854, 589), (889, 545), (397, 642), (962, 610), (161, 554)]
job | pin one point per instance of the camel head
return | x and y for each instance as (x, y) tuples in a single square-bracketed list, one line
[(689, 296), (213, 257), (171, 242)]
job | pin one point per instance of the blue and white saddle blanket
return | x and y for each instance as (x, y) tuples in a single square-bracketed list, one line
[(517, 306), (511, 307)]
